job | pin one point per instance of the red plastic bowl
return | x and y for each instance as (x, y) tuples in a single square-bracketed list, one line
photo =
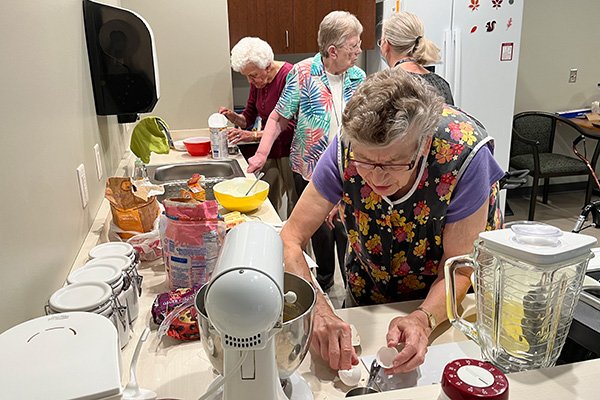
[(197, 146)]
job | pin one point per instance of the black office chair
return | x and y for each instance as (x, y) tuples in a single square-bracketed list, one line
[(531, 148)]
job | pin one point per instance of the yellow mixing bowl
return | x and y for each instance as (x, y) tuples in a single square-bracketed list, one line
[(230, 194)]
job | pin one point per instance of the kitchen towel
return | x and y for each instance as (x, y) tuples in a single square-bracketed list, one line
[(148, 137)]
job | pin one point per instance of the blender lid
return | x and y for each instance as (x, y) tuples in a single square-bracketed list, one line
[(71, 355), (538, 243)]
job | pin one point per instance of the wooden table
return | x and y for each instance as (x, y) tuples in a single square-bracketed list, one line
[(586, 124)]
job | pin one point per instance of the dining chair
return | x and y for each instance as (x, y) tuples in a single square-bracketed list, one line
[(532, 144)]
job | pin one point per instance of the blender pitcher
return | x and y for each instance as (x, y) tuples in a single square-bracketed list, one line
[(527, 281)]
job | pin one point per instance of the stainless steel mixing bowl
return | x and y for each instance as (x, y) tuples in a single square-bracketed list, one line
[(291, 343)]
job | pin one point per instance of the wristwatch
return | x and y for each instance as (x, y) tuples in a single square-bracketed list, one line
[(430, 317)]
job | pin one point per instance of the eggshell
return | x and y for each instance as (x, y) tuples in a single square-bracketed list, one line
[(385, 356), (350, 377)]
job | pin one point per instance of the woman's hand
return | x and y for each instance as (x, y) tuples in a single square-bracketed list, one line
[(332, 339), (235, 135), (256, 162), (229, 114), (413, 331), (333, 216)]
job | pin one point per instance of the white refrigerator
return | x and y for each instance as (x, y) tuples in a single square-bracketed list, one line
[(479, 42)]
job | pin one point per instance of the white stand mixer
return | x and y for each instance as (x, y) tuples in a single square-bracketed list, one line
[(244, 302)]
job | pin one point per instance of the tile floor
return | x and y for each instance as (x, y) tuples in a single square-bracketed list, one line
[(562, 211)]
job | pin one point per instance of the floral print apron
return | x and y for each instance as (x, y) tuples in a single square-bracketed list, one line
[(394, 250)]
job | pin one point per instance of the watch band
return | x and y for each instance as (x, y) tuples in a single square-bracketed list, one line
[(430, 318)]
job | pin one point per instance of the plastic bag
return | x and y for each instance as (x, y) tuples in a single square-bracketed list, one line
[(148, 244), (176, 314), (192, 235)]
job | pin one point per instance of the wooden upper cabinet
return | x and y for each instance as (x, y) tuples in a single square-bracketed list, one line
[(291, 26)]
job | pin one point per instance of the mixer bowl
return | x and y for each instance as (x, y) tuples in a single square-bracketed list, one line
[(291, 343)]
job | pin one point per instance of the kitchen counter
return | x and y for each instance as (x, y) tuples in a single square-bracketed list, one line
[(181, 369)]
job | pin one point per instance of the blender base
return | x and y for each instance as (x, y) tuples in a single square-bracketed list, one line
[(296, 388)]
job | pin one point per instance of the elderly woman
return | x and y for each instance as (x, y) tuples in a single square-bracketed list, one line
[(316, 93), (403, 46), (253, 58), (417, 183)]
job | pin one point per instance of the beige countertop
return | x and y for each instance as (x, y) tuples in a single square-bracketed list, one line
[(181, 369)]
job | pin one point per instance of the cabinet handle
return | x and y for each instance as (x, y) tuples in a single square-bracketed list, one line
[(287, 39)]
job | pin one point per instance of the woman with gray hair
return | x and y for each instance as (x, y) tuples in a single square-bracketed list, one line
[(417, 182), (316, 92), (403, 45), (253, 58)]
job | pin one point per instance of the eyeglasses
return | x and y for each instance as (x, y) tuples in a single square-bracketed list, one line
[(355, 47), (391, 167), (369, 166)]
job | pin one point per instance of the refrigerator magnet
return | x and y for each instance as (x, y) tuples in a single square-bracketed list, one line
[(490, 26), (509, 23), (474, 29), (497, 4), (506, 54), (474, 5)]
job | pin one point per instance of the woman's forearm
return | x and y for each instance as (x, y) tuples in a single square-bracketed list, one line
[(273, 128), (240, 121)]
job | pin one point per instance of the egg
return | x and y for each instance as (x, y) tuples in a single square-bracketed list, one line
[(350, 377)]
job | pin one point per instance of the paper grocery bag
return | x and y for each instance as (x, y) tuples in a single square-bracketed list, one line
[(129, 212)]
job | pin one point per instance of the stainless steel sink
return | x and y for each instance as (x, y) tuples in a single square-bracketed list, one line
[(211, 169), (173, 177)]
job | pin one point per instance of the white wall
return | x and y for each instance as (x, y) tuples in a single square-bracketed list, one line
[(49, 127), (192, 42), (558, 36)]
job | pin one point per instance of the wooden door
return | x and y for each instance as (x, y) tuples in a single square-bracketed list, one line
[(270, 20), (308, 14)]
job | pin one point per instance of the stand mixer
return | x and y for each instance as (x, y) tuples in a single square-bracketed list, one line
[(241, 317)]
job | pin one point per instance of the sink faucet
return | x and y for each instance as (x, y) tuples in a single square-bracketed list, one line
[(166, 131)]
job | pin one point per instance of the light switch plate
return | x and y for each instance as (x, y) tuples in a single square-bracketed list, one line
[(83, 189), (98, 161), (573, 75)]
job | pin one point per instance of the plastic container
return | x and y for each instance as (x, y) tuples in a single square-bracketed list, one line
[(217, 124), (197, 146)]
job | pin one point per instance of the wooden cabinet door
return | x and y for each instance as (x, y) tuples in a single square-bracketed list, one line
[(270, 20), (291, 26), (308, 14)]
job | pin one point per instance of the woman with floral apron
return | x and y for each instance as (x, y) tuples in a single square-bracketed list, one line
[(417, 182)]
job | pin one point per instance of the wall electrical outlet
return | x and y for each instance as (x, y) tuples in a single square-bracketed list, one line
[(98, 161), (573, 75), (83, 189)]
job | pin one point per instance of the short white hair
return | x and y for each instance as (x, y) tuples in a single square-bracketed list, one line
[(251, 50)]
